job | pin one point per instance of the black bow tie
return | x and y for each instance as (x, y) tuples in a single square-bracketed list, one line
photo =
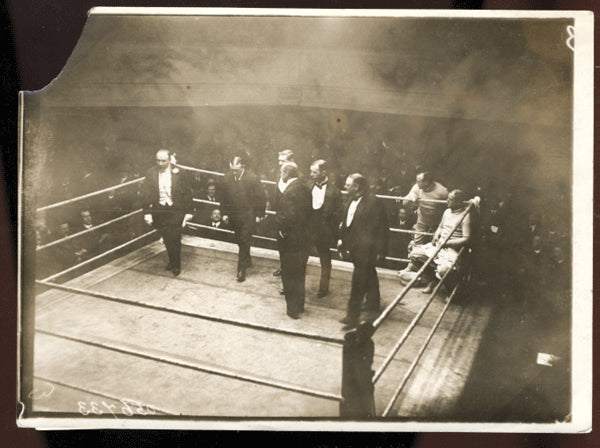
[(320, 185)]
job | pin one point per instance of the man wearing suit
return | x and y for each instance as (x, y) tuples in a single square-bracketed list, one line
[(292, 215), (324, 219), (243, 205), (287, 155), (364, 238), (167, 203)]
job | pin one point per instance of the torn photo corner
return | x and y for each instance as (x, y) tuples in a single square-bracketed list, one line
[(186, 179)]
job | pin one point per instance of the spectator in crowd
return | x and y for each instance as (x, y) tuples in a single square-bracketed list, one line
[(91, 243), (66, 253), (404, 177), (216, 220), (429, 213), (211, 191), (324, 219), (43, 232), (400, 241), (449, 252)]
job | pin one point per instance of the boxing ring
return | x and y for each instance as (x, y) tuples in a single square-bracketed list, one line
[(116, 337)]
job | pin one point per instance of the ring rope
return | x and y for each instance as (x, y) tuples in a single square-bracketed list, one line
[(421, 351), (97, 257), (194, 225), (89, 195), (188, 365), (405, 290), (83, 232), (198, 170), (272, 212), (270, 182), (413, 323), (212, 318)]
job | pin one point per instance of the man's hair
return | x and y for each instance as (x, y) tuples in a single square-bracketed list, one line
[(459, 195), (320, 164), (290, 168), (427, 177), (164, 150), (84, 210), (215, 210), (243, 159), (210, 182), (288, 154), (361, 181)]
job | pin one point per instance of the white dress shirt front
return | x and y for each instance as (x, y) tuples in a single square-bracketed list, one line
[(164, 188), (351, 211), (318, 195)]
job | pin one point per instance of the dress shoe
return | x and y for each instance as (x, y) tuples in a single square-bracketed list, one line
[(277, 273), (176, 271), (349, 323), (321, 294), (241, 276), (294, 316)]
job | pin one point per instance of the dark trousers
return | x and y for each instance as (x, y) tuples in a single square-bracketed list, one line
[(364, 282), (243, 229), (168, 223), (293, 275), (325, 258), (422, 227)]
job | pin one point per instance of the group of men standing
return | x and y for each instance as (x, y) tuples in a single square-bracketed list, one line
[(308, 214)]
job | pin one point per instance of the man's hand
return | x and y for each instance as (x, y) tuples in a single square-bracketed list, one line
[(259, 219), (148, 219), (186, 218)]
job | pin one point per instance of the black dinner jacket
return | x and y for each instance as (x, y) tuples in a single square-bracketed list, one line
[(293, 212), (181, 191), (245, 198), (330, 213), (368, 233)]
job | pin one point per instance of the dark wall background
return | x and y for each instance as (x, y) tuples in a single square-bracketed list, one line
[(40, 35), (481, 102)]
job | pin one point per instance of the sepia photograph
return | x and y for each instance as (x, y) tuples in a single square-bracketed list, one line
[(342, 220)]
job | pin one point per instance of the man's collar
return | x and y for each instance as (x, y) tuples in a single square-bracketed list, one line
[(289, 181), (320, 184)]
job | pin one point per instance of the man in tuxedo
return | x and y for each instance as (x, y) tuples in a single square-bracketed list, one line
[(325, 218), (167, 203), (364, 240), (287, 155), (292, 218), (243, 205)]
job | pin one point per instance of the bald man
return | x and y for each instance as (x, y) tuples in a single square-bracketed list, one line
[(167, 203), (292, 221)]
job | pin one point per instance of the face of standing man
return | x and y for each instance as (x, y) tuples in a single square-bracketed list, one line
[(352, 188), (163, 160), (236, 166), (317, 174)]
